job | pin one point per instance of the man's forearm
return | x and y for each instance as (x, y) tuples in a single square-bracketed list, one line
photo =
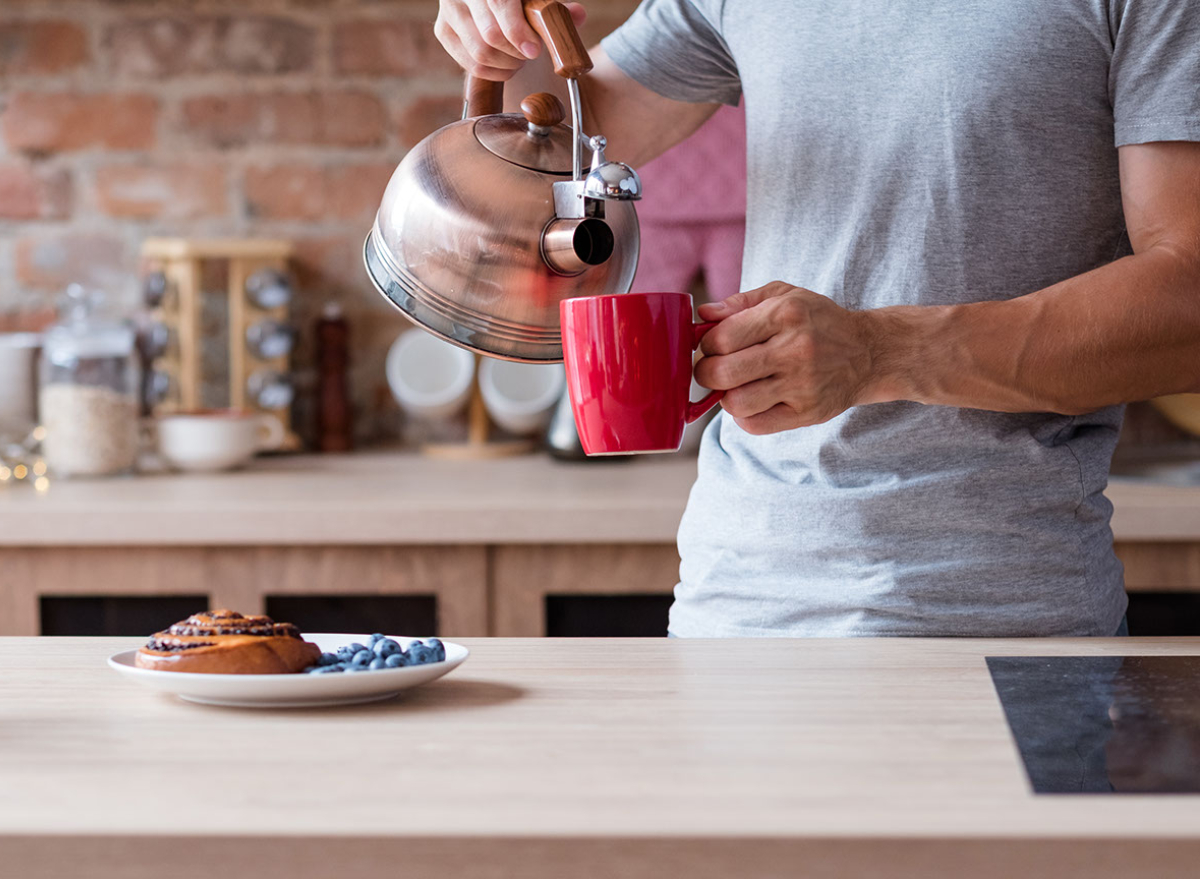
[(1127, 331)]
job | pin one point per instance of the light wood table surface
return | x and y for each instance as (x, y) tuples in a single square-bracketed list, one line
[(546, 758)]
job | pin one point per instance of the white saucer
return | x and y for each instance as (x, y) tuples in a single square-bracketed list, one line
[(294, 690)]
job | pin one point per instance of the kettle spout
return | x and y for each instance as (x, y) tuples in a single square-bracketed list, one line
[(571, 246)]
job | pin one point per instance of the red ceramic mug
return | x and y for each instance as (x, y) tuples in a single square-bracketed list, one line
[(629, 370)]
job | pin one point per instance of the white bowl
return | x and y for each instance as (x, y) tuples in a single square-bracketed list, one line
[(219, 439)]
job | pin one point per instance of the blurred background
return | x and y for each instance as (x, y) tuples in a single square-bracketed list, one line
[(125, 119)]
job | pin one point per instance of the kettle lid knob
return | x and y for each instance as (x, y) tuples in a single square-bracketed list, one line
[(543, 110)]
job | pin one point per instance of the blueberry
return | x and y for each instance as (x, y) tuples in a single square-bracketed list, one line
[(329, 669), (396, 660), (377, 663), (327, 659), (386, 648), (439, 649), (356, 647), (361, 658), (419, 654), (376, 638), (354, 668)]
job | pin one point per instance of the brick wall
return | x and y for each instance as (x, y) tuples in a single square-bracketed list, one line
[(122, 119)]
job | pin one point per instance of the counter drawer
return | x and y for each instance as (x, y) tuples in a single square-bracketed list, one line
[(246, 578)]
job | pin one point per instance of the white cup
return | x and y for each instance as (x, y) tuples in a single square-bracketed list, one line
[(216, 439), (429, 378), (520, 397)]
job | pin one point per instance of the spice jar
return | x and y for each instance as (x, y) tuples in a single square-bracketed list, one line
[(89, 385)]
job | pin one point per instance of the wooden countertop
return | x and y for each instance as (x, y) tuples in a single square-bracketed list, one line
[(553, 758), (372, 498), (380, 498)]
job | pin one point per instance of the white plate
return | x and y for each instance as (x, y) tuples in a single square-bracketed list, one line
[(294, 690)]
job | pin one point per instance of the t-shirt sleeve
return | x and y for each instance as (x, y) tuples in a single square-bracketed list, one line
[(1154, 78), (675, 48)]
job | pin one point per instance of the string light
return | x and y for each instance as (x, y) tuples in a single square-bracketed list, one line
[(41, 484), (39, 467), (5, 474), (20, 471), (39, 433)]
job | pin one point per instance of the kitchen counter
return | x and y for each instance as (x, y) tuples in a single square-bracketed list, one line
[(493, 543), (545, 758), (372, 498), (379, 498)]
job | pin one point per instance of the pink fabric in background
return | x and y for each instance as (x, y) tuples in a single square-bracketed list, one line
[(693, 215), (674, 253)]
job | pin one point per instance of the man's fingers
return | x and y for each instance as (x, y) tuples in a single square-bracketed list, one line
[(739, 332), (483, 54), (722, 309), (491, 39), (461, 22), (752, 399), (742, 300), (510, 19), (578, 13), (502, 25), (778, 418), (454, 47), (722, 373)]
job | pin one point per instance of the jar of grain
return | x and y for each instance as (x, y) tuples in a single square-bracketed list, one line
[(88, 396)]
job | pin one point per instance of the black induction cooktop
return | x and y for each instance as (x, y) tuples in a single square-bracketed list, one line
[(1104, 724)]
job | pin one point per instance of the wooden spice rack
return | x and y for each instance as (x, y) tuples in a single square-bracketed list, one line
[(180, 260)]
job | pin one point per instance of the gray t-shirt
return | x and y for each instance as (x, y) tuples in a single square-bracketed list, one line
[(918, 152)]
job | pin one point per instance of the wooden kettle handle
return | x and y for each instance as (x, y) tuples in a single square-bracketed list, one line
[(552, 22), (554, 25), (484, 97)]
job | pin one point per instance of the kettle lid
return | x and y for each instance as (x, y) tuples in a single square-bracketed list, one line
[(535, 138)]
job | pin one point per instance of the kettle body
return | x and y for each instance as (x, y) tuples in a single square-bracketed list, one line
[(457, 244)]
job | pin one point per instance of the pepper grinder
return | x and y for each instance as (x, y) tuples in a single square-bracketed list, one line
[(334, 428)]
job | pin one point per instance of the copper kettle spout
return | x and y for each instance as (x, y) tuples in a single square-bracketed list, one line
[(571, 246)]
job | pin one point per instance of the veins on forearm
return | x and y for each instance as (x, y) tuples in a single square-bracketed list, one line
[(1126, 331)]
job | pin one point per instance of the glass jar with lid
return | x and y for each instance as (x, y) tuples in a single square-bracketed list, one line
[(88, 397)]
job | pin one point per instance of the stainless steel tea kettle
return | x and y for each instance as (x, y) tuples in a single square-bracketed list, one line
[(490, 222)]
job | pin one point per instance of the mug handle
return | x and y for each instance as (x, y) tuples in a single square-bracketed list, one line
[(270, 433), (712, 398)]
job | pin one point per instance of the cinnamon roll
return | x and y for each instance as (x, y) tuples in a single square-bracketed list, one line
[(225, 642)]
